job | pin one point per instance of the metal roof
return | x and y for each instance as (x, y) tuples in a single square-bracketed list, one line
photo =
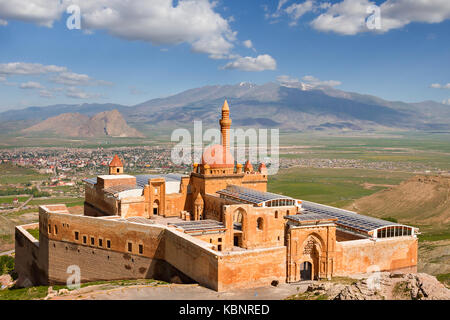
[(142, 179), (199, 225), (348, 219), (250, 195), (120, 188), (140, 220), (91, 180), (307, 217)]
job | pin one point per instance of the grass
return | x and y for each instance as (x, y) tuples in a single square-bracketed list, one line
[(18, 175), (308, 296), (34, 233), (401, 290), (341, 280), (6, 264), (24, 293), (9, 199), (336, 187), (67, 201), (433, 233), (40, 292), (444, 278)]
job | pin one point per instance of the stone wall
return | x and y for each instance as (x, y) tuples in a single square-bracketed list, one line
[(361, 256), (251, 268), (27, 258)]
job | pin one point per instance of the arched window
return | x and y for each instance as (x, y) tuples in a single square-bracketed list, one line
[(276, 214), (260, 223)]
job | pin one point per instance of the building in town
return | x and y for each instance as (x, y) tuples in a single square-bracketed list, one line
[(217, 226)]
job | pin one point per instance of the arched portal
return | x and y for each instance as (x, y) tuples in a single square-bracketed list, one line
[(156, 207), (305, 271)]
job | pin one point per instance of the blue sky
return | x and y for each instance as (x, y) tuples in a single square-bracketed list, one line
[(151, 49)]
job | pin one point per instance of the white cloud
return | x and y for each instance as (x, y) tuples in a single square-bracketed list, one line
[(308, 82), (297, 10), (31, 85), (76, 93), (71, 78), (41, 12), (319, 83), (24, 68), (348, 17), (248, 44), (3, 22), (45, 94), (259, 63), (160, 22), (440, 86)]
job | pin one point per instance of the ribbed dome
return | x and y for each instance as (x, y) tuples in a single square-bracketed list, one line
[(217, 156)]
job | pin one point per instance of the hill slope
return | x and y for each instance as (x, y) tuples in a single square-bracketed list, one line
[(107, 123), (419, 200)]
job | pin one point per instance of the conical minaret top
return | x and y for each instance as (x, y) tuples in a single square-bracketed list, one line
[(225, 124)]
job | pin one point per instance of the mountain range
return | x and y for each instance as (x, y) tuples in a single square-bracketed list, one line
[(270, 105)]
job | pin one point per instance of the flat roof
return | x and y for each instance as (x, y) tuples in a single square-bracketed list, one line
[(250, 195), (310, 217), (121, 188), (346, 218), (199, 225), (141, 180)]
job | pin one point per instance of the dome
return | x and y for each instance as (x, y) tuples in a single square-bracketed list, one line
[(217, 156)]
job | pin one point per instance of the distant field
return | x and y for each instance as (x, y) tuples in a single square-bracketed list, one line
[(70, 202), (12, 174), (336, 187), (432, 150), (10, 199)]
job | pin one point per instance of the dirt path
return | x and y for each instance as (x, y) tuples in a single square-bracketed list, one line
[(184, 292)]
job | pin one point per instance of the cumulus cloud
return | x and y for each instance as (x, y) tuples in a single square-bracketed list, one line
[(440, 86), (157, 21), (160, 22), (31, 85), (41, 12), (259, 63), (348, 17)]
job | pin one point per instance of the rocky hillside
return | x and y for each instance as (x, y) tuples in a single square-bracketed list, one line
[(424, 200), (107, 123), (381, 286)]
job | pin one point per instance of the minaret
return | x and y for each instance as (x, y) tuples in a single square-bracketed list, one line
[(225, 124)]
